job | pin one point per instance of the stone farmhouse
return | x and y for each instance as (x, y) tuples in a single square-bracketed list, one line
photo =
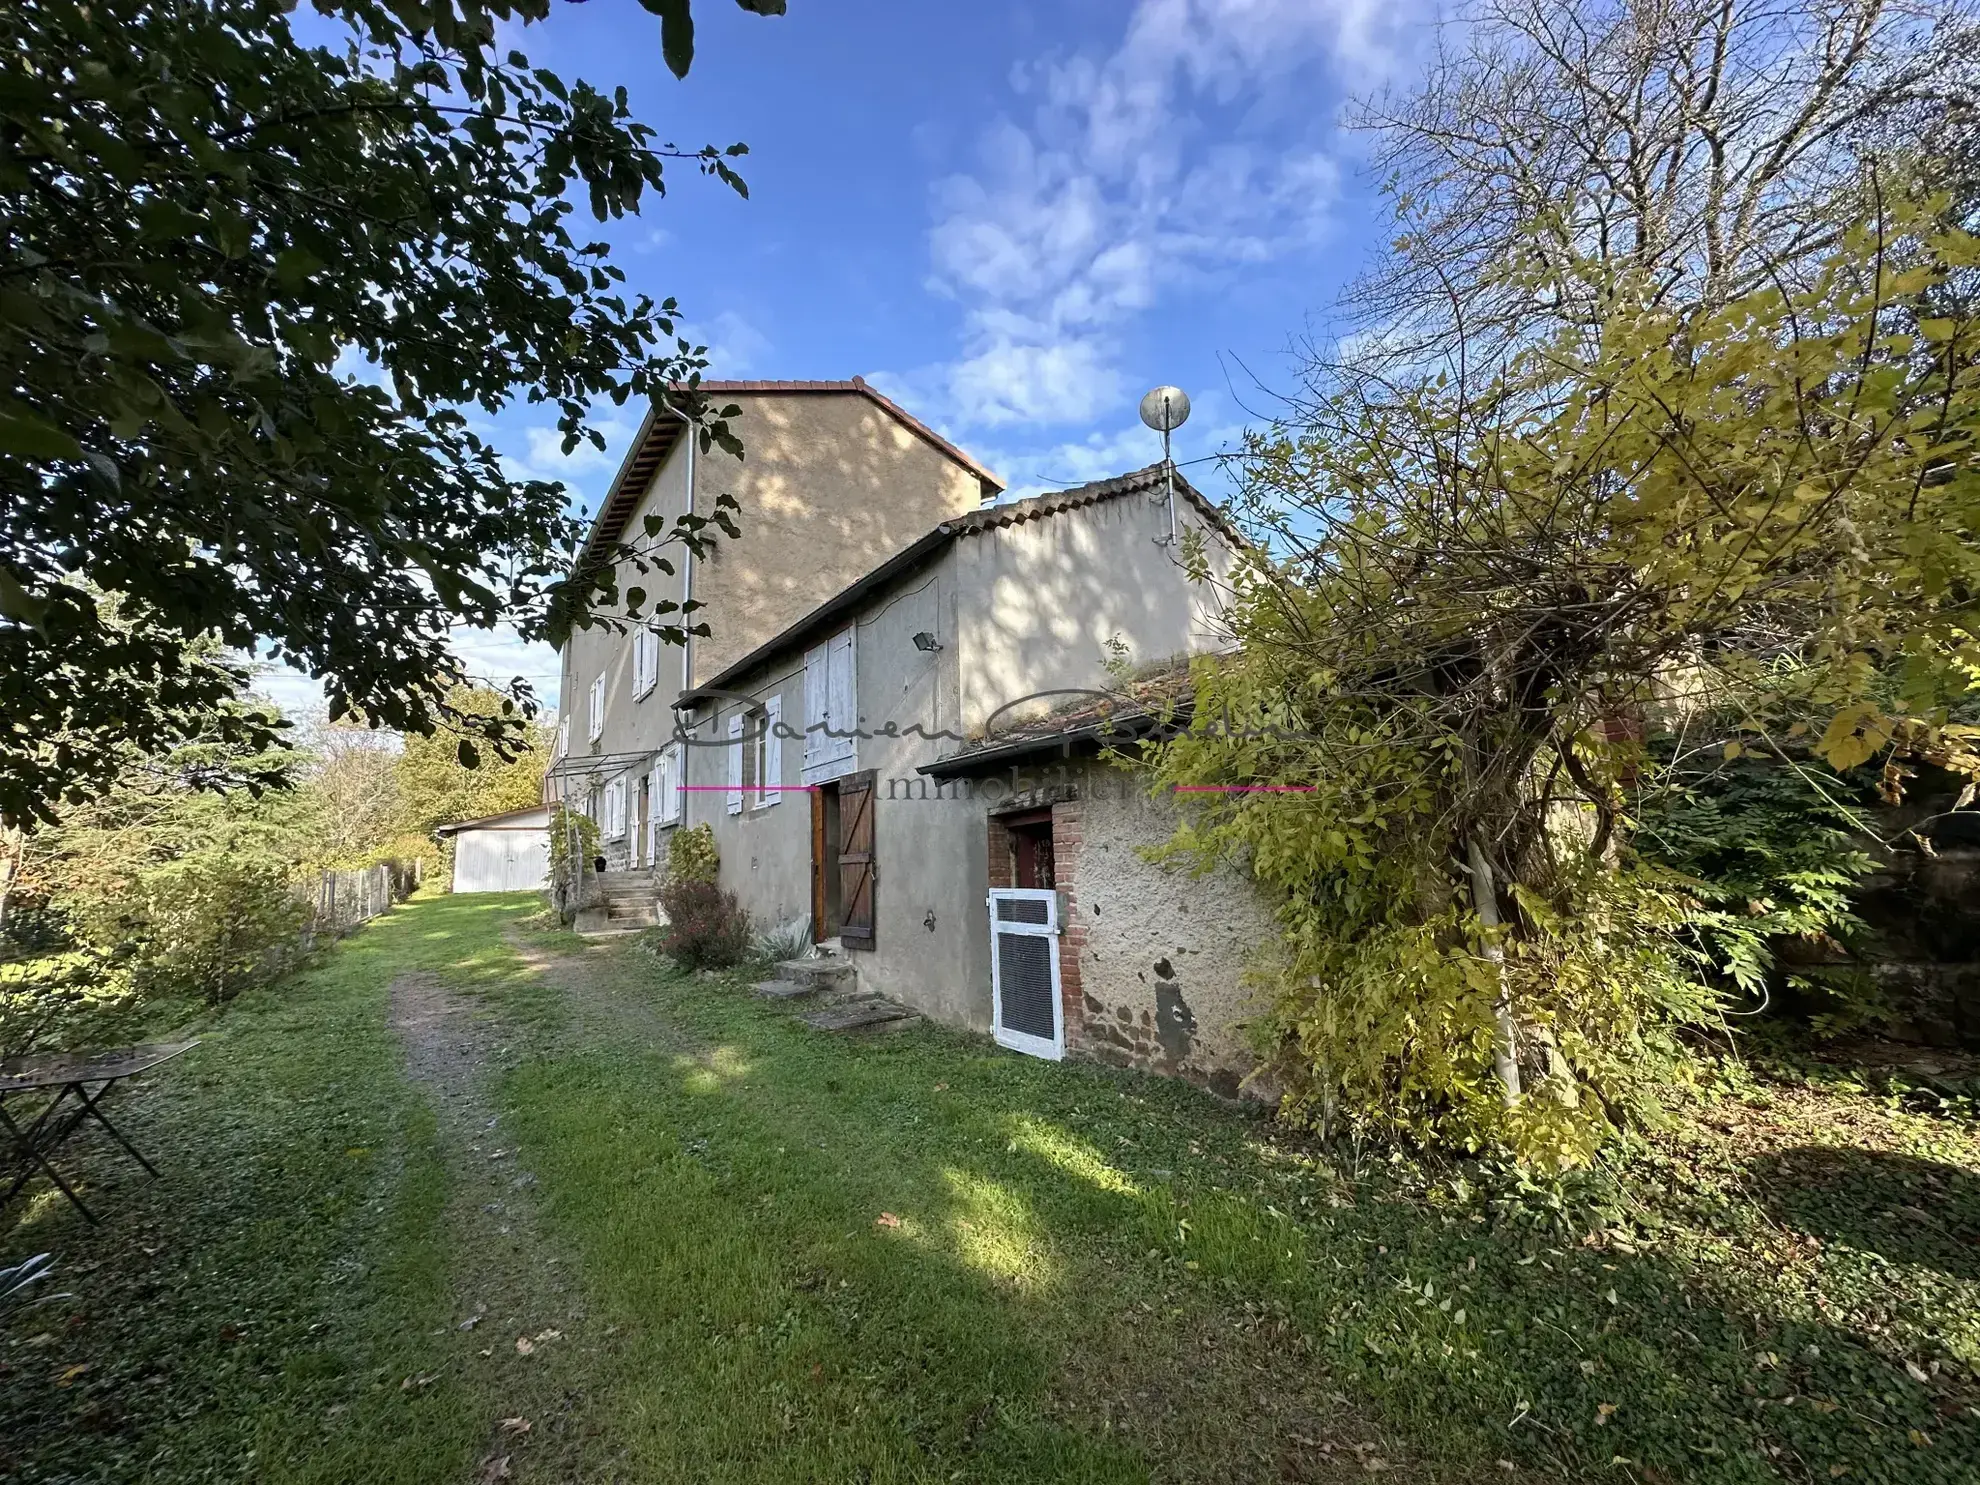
[(895, 729)]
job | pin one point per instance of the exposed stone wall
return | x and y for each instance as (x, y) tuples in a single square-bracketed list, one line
[(1153, 955)]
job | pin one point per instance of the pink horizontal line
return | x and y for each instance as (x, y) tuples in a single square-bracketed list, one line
[(1242, 788), (739, 789)]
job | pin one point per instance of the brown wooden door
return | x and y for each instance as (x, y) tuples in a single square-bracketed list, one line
[(857, 869)]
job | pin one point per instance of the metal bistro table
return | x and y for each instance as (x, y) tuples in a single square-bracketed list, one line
[(70, 1074)]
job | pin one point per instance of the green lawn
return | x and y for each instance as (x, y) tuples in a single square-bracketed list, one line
[(915, 1257)]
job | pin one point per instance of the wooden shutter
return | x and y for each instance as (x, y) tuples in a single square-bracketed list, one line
[(736, 764), (815, 666), (842, 699), (670, 786), (770, 772), (858, 869), (597, 707)]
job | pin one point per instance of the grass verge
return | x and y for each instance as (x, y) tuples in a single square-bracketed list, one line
[(918, 1258), (254, 1314)]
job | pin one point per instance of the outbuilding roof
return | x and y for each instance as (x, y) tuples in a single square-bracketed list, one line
[(491, 822), (1160, 702)]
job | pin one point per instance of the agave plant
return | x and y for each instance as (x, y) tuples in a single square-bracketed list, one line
[(14, 1281)]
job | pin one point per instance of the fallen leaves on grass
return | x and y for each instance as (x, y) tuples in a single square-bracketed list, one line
[(514, 1425), (886, 1219)]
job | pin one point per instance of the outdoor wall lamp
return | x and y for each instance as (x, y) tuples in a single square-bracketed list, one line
[(927, 643)]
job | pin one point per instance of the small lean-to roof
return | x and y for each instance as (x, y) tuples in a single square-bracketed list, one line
[(924, 550), (1160, 702), (663, 427)]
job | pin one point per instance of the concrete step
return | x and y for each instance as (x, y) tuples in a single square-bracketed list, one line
[(819, 974), (855, 1017)]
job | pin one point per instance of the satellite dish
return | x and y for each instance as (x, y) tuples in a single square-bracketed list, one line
[(1165, 409)]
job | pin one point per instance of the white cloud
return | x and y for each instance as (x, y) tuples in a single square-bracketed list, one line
[(1198, 146), (1213, 430), (543, 456), (735, 346)]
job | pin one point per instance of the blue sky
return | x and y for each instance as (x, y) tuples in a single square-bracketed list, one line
[(1014, 218)]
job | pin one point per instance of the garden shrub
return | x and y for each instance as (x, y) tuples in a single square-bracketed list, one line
[(706, 927), (208, 925), (692, 857)]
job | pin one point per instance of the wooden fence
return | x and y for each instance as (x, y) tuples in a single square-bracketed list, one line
[(340, 900)]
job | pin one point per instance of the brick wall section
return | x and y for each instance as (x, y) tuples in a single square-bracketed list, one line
[(1001, 865), (1068, 842)]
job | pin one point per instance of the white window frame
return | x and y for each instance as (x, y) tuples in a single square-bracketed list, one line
[(563, 738), (669, 810), (646, 662), (827, 758), (770, 755), (615, 810), (597, 717), (734, 754), (1053, 1050)]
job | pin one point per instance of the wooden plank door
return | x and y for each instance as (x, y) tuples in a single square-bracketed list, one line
[(857, 868)]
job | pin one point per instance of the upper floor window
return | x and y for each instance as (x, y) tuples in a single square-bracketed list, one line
[(831, 710), (667, 789), (646, 661), (597, 709)]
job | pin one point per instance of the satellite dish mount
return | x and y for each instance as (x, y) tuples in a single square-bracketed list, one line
[(1166, 409)]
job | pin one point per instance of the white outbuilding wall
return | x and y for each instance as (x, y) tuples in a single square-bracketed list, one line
[(506, 853)]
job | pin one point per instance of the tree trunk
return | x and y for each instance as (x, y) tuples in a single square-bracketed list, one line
[(1485, 899)]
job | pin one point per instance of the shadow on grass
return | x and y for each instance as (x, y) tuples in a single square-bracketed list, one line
[(1903, 1208), (1068, 1272)]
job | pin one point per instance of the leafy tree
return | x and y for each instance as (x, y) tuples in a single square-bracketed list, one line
[(256, 289), (351, 787), (437, 786), (1743, 523)]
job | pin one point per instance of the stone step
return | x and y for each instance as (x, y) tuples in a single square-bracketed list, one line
[(819, 974), (854, 1017)]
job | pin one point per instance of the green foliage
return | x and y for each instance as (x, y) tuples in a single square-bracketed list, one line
[(204, 926), (442, 778), (1772, 846), (1491, 590), (705, 928), (67, 999), (692, 856), (212, 223), (568, 828)]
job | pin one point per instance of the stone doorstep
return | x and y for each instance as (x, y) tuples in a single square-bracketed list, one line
[(818, 973), (853, 1016)]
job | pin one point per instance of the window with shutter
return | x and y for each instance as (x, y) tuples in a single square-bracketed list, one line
[(770, 754), (669, 811), (646, 661), (735, 752), (831, 706), (597, 709)]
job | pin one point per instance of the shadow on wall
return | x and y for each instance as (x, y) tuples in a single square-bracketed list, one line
[(825, 497)]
